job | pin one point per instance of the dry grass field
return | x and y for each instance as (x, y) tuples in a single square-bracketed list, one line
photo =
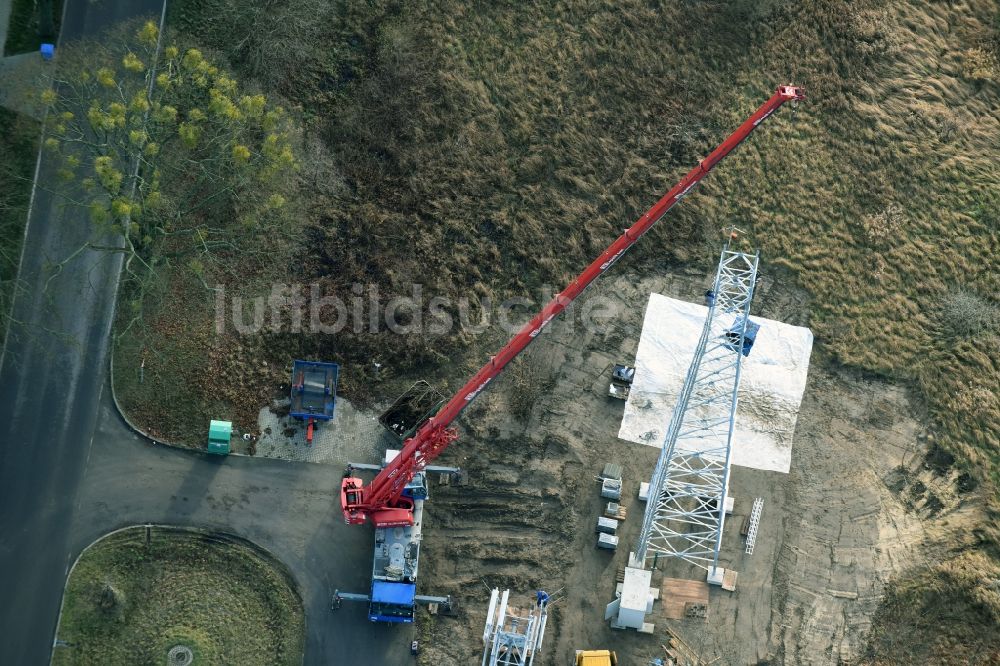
[(908, 623)]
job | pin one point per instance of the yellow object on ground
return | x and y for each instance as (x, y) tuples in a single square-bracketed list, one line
[(596, 658)]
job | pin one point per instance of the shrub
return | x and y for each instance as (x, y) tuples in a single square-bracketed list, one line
[(979, 64), (881, 226), (966, 313)]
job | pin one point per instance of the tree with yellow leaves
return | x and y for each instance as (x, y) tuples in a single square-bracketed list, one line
[(162, 147)]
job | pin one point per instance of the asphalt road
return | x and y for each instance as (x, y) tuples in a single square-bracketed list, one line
[(291, 509), (71, 470)]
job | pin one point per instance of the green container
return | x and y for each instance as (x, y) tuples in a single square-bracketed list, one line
[(219, 434)]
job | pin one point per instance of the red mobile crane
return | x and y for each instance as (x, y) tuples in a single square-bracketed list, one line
[(383, 500)]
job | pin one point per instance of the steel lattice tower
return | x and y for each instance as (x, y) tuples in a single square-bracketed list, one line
[(686, 507)]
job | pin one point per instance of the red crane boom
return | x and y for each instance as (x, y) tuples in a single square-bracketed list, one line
[(382, 500)]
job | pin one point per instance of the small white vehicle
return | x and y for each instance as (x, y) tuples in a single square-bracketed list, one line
[(621, 381)]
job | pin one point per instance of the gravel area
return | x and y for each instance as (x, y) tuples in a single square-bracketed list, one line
[(353, 434)]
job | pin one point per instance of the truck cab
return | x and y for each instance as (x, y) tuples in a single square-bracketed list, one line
[(392, 601)]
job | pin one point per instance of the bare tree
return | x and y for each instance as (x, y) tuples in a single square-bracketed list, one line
[(160, 146)]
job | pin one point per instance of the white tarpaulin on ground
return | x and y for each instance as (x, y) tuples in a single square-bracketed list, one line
[(771, 385)]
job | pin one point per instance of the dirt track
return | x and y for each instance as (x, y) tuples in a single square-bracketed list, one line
[(856, 508)]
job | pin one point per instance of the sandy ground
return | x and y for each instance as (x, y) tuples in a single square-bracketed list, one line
[(859, 505)]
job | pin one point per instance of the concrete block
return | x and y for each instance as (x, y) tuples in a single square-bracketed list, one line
[(607, 525), (607, 541), (635, 597), (716, 576)]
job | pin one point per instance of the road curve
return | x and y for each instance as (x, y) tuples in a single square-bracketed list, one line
[(71, 470)]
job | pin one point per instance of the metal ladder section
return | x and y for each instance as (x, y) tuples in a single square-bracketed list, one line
[(511, 638), (758, 506)]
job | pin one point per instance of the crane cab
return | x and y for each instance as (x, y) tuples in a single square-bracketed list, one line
[(352, 503), (351, 500), (392, 602)]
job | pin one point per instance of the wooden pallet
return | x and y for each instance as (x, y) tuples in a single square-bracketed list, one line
[(729, 580), (745, 527), (677, 593), (618, 515)]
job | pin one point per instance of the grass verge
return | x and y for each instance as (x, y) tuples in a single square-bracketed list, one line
[(19, 147), (129, 601), (22, 31)]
